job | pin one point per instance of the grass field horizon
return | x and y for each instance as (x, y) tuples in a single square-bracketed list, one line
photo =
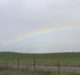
[(67, 58)]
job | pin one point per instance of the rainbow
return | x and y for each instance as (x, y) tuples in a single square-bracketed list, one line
[(40, 32)]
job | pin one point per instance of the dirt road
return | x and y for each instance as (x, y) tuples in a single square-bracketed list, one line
[(42, 67)]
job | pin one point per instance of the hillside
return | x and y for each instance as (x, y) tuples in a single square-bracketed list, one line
[(50, 59)]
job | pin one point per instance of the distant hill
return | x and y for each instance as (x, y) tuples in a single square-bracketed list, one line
[(46, 58)]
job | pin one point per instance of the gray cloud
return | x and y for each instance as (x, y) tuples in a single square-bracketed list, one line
[(20, 16)]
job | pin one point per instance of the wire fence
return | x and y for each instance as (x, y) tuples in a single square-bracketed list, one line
[(40, 67)]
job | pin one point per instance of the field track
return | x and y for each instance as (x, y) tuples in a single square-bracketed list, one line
[(63, 68)]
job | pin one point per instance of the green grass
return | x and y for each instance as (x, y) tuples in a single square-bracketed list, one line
[(15, 72), (51, 58)]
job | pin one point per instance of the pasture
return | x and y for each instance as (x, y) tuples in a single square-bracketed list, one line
[(14, 72), (49, 59)]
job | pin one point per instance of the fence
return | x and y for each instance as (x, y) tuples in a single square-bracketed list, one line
[(38, 67)]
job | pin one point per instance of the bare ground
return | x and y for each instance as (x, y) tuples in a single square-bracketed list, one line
[(63, 68)]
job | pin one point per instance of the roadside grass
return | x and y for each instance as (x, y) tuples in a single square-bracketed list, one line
[(15, 72)]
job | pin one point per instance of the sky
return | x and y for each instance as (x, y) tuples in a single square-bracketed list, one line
[(40, 26)]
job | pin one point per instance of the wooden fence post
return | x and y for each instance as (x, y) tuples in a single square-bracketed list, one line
[(7, 65), (58, 67), (34, 63), (18, 65)]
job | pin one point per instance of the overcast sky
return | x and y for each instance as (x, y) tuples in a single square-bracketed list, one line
[(18, 17)]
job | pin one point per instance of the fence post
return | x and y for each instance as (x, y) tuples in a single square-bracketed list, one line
[(18, 65), (7, 72), (7, 65), (58, 67), (34, 64)]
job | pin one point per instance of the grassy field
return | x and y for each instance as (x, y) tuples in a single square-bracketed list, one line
[(15, 72), (50, 59)]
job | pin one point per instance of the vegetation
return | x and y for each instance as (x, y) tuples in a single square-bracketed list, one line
[(50, 59), (45, 59), (15, 72)]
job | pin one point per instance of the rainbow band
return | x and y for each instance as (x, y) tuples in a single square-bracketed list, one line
[(39, 32)]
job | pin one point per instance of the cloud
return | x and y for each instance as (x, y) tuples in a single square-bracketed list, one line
[(4, 3), (22, 16), (61, 41)]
